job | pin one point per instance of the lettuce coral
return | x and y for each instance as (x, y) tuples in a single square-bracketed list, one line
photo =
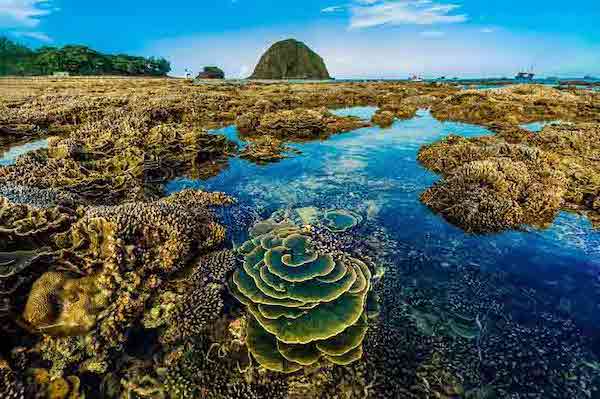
[(305, 304)]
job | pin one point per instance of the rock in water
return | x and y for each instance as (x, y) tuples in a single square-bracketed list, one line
[(290, 59)]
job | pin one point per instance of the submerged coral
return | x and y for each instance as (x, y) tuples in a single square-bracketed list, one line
[(202, 303), (305, 304)]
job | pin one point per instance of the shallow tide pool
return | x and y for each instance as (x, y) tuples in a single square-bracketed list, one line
[(9, 155), (375, 172)]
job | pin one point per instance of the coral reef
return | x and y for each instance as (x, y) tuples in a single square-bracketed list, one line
[(123, 255), (27, 227), (383, 118), (512, 178), (265, 149), (299, 124), (518, 104), (305, 304), (60, 305), (340, 220), (202, 302), (123, 156)]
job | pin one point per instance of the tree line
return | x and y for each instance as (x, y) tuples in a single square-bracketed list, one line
[(16, 59)]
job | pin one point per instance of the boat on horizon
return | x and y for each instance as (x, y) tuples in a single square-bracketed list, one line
[(527, 76)]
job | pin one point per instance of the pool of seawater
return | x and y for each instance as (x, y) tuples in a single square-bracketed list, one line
[(539, 126), (375, 171), (9, 155)]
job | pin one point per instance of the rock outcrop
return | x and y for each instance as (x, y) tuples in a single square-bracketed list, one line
[(290, 59), (211, 72)]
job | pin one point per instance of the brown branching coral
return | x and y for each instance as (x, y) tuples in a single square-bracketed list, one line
[(498, 182), (202, 302), (490, 186), (517, 104), (264, 149), (298, 124)]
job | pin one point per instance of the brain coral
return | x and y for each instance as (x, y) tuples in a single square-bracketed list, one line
[(64, 306), (306, 304)]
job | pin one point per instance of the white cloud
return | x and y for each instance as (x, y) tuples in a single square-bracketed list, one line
[(371, 13), (41, 36), (487, 30), (333, 9), (23, 13)]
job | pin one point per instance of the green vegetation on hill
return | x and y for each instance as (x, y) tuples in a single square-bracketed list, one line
[(290, 59), (16, 59)]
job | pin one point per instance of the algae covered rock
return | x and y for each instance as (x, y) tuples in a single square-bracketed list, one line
[(290, 59), (383, 118), (305, 304), (299, 123)]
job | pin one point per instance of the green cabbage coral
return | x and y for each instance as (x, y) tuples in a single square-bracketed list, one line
[(305, 304), (340, 220)]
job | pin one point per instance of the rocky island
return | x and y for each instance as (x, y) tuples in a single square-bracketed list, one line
[(290, 59)]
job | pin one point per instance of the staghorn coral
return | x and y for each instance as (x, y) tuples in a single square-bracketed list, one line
[(202, 303), (300, 123), (304, 304)]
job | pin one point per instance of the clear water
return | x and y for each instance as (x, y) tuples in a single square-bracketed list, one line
[(375, 171), (10, 154), (538, 126)]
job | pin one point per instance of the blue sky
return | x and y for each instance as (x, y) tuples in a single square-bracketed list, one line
[(357, 38)]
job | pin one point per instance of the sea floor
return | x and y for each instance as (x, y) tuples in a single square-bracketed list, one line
[(528, 301)]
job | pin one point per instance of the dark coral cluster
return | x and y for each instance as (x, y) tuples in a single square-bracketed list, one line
[(122, 156)]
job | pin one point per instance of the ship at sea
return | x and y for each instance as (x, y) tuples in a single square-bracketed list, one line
[(525, 76)]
